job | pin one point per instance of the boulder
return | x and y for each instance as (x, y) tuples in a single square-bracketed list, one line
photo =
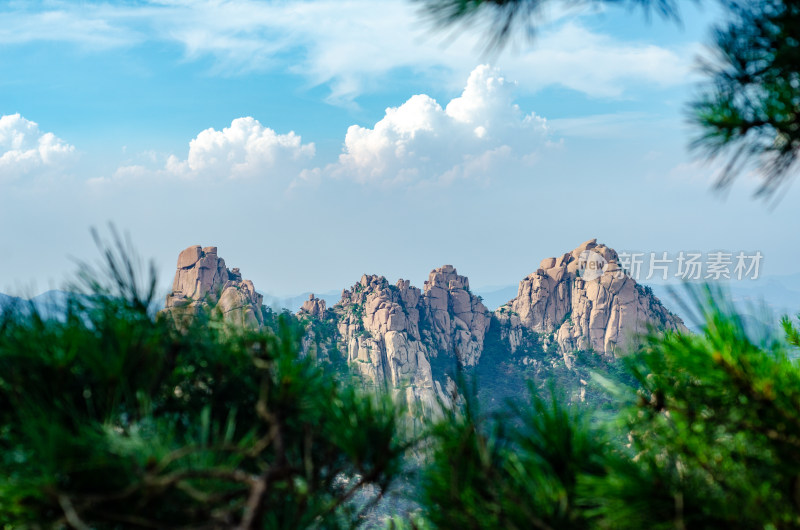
[(189, 257)]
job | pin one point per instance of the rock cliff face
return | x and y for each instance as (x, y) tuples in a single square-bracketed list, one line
[(458, 320), (203, 283), (390, 333), (378, 327), (317, 340), (583, 300), (403, 339)]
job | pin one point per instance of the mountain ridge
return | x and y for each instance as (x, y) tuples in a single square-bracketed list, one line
[(407, 340)]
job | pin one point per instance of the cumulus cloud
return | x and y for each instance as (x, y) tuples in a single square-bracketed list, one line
[(475, 135), (246, 149), (25, 150), (349, 46)]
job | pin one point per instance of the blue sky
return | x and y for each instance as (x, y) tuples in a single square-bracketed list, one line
[(313, 141)]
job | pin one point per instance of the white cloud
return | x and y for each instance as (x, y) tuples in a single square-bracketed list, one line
[(599, 65), (478, 134), (25, 150), (246, 149), (94, 27), (621, 125), (350, 46)]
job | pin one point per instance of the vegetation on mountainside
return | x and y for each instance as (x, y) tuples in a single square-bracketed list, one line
[(110, 417), (707, 437), (504, 375)]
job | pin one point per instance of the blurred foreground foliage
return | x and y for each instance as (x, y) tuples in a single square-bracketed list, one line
[(112, 418), (709, 437)]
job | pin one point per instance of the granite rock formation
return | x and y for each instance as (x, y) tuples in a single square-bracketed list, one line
[(404, 339), (458, 320), (569, 299), (378, 328), (203, 284), (313, 307)]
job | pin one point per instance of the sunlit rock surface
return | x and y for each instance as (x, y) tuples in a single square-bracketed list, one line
[(585, 308), (203, 283)]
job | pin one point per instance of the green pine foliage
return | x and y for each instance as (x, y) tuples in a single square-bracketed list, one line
[(112, 418), (517, 470), (705, 435), (501, 19), (715, 431), (748, 110)]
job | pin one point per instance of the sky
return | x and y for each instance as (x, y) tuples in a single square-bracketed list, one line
[(313, 141)]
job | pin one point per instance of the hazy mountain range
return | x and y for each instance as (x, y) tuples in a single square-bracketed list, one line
[(778, 295)]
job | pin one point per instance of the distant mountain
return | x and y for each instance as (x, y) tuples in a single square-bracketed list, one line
[(7, 301), (780, 295), (492, 297), (50, 303), (561, 319), (762, 301), (42, 300)]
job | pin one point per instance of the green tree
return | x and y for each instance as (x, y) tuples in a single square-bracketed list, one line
[(521, 469), (709, 437), (749, 110), (715, 431), (112, 418)]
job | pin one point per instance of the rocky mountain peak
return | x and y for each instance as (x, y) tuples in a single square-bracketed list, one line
[(388, 333), (458, 320), (446, 277), (203, 283), (379, 332), (583, 300), (313, 307)]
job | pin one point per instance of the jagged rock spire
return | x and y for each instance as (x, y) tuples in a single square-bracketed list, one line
[(203, 283), (572, 300)]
